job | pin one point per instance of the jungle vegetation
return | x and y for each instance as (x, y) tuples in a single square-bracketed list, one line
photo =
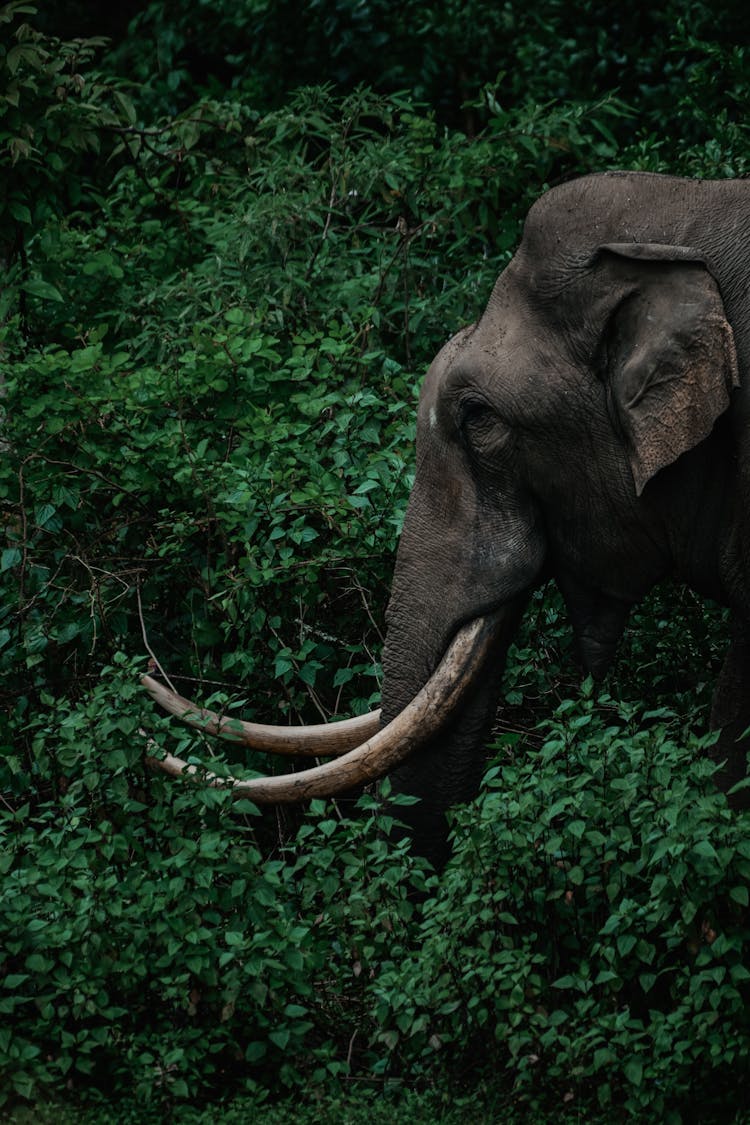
[(233, 234)]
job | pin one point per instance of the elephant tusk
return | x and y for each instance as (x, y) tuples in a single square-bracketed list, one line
[(420, 721), (319, 740)]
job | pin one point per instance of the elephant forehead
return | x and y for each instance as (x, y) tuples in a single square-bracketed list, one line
[(524, 354), (513, 363), (502, 332), (459, 355), (452, 355)]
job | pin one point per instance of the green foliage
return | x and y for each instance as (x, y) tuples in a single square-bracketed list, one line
[(443, 52), (588, 939), (148, 944), (54, 111), (222, 286), (591, 933), (360, 1105)]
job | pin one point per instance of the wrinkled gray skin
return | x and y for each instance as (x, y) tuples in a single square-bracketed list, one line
[(592, 427)]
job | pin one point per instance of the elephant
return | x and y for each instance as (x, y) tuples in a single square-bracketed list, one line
[(591, 427)]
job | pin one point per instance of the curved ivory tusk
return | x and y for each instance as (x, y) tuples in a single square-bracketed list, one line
[(418, 722), (319, 740)]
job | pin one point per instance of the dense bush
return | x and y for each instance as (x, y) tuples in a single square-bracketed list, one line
[(587, 942), (215, 320), (593, 923)]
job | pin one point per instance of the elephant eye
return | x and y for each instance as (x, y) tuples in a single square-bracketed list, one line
[(474, 412), (484, 434), (478, 423)]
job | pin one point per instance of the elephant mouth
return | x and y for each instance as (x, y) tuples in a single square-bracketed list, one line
[(362, 750), (597, 653), (598, 619)]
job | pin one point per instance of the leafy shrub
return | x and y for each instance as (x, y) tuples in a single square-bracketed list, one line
[(147, 943), (591, 932), (54, 111), (589, 936)]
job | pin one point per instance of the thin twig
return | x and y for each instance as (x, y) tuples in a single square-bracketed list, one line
[(24, 537), (337, 703), (351, 1047), (366, 604), (149, 650), (132, 495), (95, 595)]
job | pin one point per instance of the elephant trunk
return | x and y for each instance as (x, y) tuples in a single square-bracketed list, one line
[(448, 769)]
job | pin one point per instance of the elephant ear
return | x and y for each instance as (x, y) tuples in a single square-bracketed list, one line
[(670, 356)]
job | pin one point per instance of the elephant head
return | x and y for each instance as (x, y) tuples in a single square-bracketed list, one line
[(579, 430)]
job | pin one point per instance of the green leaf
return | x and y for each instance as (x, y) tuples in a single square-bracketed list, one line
[(626, 943), (11, 556), (565, 982), (633, 1070), (36, 287), (706, 850), (19, 211), (126, 106)]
